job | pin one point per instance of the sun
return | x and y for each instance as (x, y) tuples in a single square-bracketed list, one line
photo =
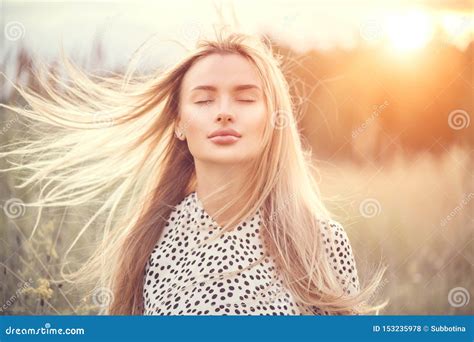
[(408, 31)]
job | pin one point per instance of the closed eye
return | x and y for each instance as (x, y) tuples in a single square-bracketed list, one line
[(203, 102), (248, 101)]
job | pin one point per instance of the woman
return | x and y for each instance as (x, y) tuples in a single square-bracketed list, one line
[(211, 195)]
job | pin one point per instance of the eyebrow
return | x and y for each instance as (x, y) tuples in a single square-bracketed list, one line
[(236, 88)]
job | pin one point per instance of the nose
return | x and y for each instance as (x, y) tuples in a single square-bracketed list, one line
[(224, 117), (225, 111)]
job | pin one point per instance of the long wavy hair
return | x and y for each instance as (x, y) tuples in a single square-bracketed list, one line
[(113, 144)]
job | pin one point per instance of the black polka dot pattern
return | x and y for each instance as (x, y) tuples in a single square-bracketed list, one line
[(341, 257), (185, 278)]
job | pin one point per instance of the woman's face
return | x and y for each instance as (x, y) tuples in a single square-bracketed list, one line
[(222, 109)]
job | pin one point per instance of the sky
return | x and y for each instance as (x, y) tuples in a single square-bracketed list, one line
[(123, 26)]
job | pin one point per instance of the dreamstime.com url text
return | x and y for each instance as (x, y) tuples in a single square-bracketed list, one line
[(46, 330)]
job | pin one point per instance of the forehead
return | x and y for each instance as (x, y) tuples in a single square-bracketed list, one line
[(221, 71)]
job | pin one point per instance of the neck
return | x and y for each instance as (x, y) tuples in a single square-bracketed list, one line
[(211, 177)]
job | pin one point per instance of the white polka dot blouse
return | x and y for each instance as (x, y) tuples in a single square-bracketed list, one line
[(185, 277)]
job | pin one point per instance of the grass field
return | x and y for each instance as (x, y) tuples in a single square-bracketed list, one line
[(412, 214), (416, 216)]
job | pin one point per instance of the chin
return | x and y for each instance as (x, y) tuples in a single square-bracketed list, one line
[(226, 158)]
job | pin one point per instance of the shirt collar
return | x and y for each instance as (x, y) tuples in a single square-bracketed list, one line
[(197, 212)]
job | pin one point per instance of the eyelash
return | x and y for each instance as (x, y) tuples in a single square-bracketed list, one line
[(203, 102), (208, 101)]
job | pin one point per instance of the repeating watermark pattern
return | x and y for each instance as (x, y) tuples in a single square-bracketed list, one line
[(280, 119), (9, 124), (370, 207), (374, 294), (10, 301), (14, 208), (191, 31), (458, 297), (371, 30), (287, 201), (274, 294), (459, 25), (377, 110), (288, 20), (457, 209), (14, 30), (104, 120), (277, 294), (456, 27), (459, 119), (185, 124), (102, 297)]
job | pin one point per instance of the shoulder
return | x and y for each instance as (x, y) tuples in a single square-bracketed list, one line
[(333, 233), (340, 255)]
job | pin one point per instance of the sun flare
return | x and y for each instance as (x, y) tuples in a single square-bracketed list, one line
[(409, 31)]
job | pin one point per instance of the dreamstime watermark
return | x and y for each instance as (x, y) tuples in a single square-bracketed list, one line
[(191, 31), (287, 201), (458, 297), (371, 30), (375, 114), (459, 24), (370, 207), (10, 301), (280, 119), (14, 30), (379, 287), (276, 295), (9, 124), (105, 120), (184, 126), (457, 209), (46, 330), (102, 297), (289, 20), (14, 208), (459, 119)]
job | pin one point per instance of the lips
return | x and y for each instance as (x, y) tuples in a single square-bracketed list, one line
[(224, 136), (225, 132)]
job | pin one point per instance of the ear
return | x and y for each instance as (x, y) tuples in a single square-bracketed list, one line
[(178, 131)]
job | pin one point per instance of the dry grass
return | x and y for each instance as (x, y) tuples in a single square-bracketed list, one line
[(426, 255), (417, 220)]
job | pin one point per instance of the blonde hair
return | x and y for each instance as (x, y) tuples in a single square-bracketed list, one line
[(113, 141)]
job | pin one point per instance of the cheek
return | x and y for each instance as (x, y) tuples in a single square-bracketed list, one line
[(258, 121), (193, 123), (194, 129)]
